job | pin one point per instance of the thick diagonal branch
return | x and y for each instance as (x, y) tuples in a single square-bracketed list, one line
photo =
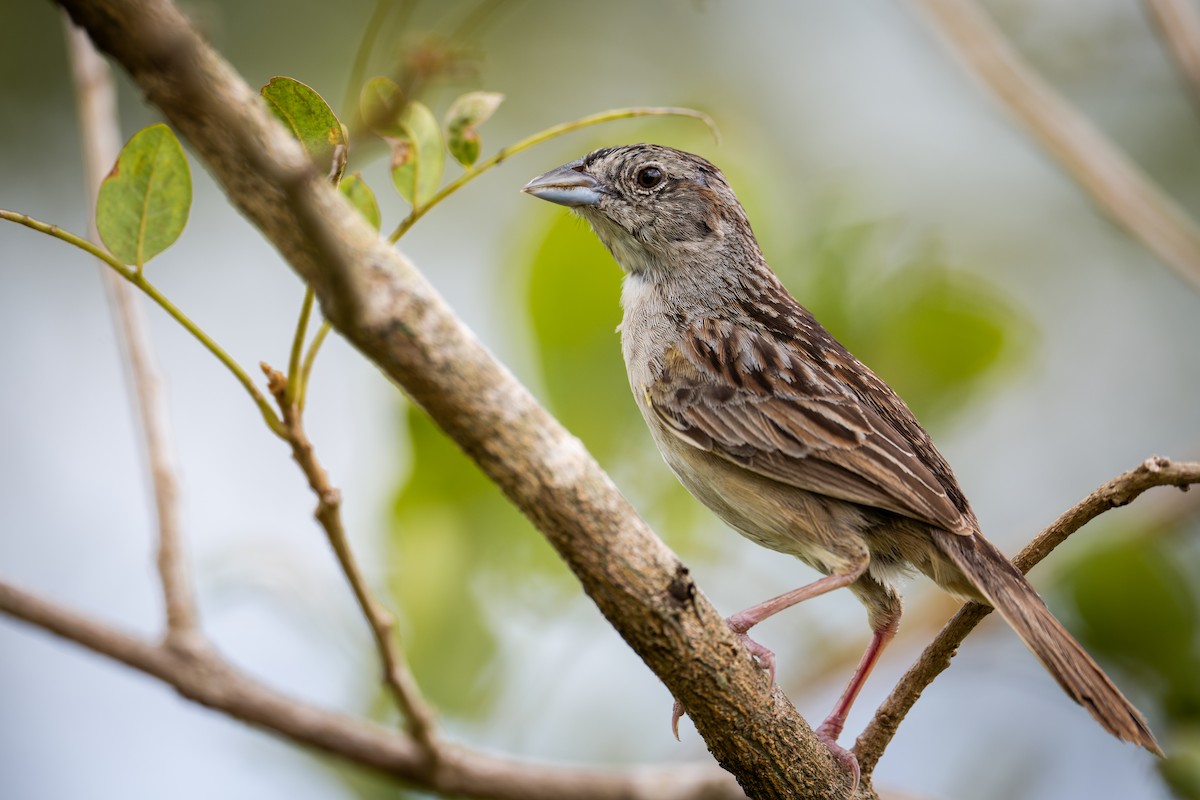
[(936, 657), (383, 306)]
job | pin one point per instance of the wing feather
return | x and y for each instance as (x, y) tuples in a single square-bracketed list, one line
[(816, 420)]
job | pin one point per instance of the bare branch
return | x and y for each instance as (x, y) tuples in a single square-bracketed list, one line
[(95, 96), (387, 309), (1114, 182), (396, 673), (1178, 23), (459, 771), (1119, 491)]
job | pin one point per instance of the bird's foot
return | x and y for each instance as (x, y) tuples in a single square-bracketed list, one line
[(762, 654), (828, 733)]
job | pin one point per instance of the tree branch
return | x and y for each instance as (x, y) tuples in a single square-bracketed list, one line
[(1099, 167), (1119, 491), (207, 679), (383, 306), (1178, 24), (96, 99), (418, 715)]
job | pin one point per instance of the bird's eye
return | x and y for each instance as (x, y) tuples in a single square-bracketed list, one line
[(649, 177)]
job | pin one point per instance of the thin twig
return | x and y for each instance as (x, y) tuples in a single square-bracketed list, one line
[(418, 716), (95, 98), (1108, 175), (209, 680), (1119, 491), (1178, 23)]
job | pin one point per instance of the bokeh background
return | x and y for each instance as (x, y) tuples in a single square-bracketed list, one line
[(1044, 349)]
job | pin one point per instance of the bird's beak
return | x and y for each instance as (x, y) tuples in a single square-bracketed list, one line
[(566, 185)]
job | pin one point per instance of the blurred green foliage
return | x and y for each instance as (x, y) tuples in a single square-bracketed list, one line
[(1181, 770), (1137, 607), (453, 532), (935, 332), (574, 292)]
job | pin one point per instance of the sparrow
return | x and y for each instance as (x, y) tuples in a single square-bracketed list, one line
[(771, 423)]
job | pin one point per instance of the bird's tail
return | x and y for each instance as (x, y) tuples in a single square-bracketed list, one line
[(1010, 593)]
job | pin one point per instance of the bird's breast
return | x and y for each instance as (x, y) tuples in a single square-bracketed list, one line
[(649, 327)]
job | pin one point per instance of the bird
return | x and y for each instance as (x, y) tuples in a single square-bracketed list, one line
[(792, 441)]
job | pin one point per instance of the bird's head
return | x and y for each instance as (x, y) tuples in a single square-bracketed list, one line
[(655, 208)]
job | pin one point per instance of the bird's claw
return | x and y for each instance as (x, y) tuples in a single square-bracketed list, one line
[(763, 656), (676, 715), (828, 734)]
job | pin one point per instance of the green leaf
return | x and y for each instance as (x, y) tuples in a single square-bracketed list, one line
[(418, 158), (144, 202), (463, 119), (356, 190), (307, 116), (412, 132), (380, 104)]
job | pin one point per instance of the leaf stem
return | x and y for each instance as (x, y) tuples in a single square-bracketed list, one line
[(309, 357), (538, 138), (140, 281), (293, 373)]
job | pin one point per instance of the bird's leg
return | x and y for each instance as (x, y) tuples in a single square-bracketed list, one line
[(743, 621), (831, 728)]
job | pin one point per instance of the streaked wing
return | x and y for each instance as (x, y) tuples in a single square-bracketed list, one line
[(826, 425)]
